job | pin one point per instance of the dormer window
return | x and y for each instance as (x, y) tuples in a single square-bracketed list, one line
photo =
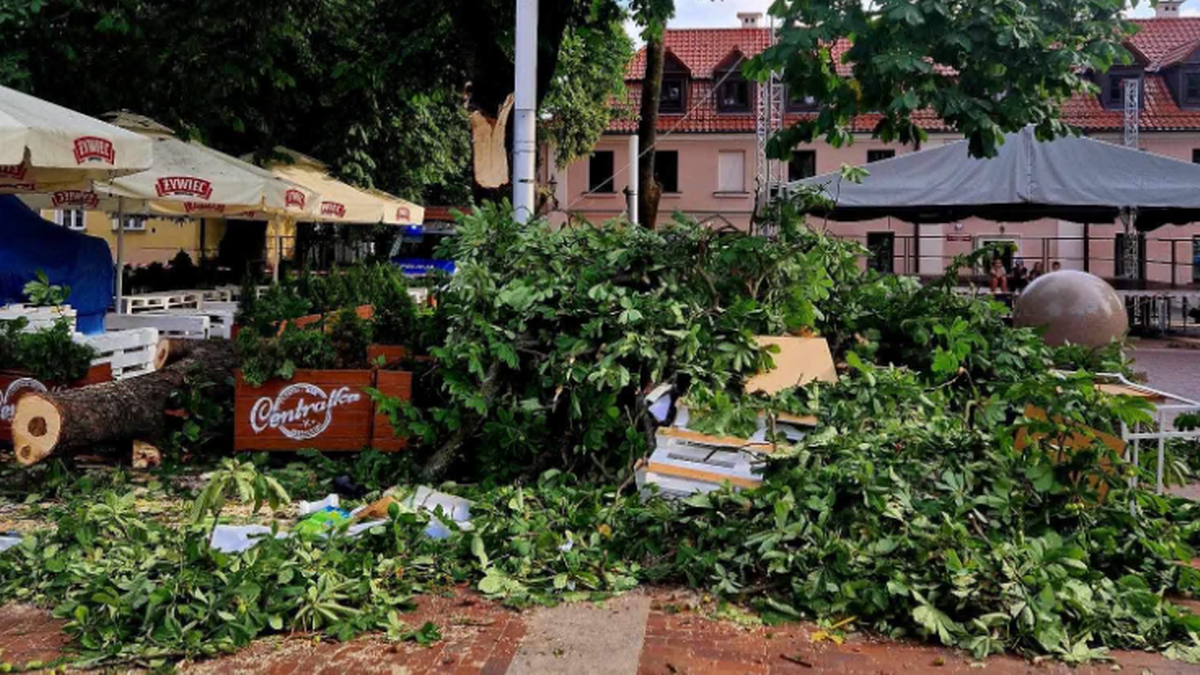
[(1191, 87), (800, 102), (673, 98), (734, 93), (1114, 91)]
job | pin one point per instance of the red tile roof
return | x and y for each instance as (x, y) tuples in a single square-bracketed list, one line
[(1158, 43)]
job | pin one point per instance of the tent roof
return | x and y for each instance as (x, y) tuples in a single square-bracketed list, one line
[(1079, 179)]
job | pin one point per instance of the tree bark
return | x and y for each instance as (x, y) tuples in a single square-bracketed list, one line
[(44, 424), (649, 189), (437, 465)]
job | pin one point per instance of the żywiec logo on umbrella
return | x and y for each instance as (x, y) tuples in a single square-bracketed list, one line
[(301, 411), (294, 199), (195, 207), (333, 209), (402, 213), (80, 198), (184, 186), (92, 149)]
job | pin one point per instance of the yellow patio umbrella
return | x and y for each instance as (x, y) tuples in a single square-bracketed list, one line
[(341, 202), (46, 148)]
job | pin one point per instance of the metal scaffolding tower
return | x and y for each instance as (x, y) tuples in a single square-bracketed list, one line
[(1132, 248), (769, 174)]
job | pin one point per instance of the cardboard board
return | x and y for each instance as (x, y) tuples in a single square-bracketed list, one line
[(798, 362)]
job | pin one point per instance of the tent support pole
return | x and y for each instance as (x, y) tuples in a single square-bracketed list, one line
[(120, 253), (1087, 247)]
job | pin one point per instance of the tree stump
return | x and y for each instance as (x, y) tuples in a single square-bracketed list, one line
[(44, 424)]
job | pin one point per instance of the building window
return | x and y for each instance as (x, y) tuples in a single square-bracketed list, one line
[(1191, 87), (1195, 155), (882, 246), (1115, 96), (803, 165), (132, 224), (879, 155), (674, 94), (731, 167), (733, 95), (73, 219), (600, 172), (800, 103), (666, 170), (1196, 259)]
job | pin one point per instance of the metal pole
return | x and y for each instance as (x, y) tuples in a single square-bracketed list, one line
[(525, 122), (632, 192), (120, 253)]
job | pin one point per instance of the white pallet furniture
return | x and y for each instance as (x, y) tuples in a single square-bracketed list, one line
[(153, 302), (215, 295), (38, 317), (419, 295), (1167, 407), (220, 320), (130, 353), (187, 326)]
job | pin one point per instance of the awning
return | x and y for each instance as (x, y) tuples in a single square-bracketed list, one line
[(1078, 179), (45, 147), (341, 202)]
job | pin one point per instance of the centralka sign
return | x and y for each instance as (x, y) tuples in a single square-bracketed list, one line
[(184, 186), (92, 149), (301, 411)]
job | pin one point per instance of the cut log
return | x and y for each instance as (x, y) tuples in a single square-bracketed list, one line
[(44, 424)]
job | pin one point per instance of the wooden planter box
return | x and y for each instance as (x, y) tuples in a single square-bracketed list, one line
[(392, 383), (317, 409), (15, 383)]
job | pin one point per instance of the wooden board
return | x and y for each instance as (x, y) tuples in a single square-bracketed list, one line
[(364, 312), (298, 415), (725, 442), (1126, 390), (1081, 437), (392, 383), (391, 354), (14, 384), (798, 362)]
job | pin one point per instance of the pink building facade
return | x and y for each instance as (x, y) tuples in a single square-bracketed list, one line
[(707, 158)]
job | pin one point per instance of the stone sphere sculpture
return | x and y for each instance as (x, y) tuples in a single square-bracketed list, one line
[(1075, 307)]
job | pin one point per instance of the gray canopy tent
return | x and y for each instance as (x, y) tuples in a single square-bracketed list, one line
[(1077, 179)]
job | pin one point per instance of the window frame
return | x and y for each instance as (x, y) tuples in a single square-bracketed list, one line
[(797, 155), (734, 79), (880, 154), (659, 164), (133, 223), (673, 108), (602, 187), (790, 104), (1183, 86), (722, 189), (78, 218), (1113, 95)]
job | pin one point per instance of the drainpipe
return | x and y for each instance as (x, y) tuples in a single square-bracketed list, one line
[(525, 121), (631, 192)]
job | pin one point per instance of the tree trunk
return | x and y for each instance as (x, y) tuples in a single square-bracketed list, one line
[(436, 466), (649, 190), (44, 424)]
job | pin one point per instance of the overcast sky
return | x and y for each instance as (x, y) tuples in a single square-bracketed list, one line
[(723, 13)]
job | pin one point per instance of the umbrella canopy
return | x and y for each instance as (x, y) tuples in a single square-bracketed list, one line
[(340, 202), (1077, 179), (189, 179), (45, 147)]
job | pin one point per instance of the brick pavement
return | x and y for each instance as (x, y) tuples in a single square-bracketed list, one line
[(481, 638)]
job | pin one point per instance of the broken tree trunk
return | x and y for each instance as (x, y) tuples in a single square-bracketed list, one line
[(45, 424)]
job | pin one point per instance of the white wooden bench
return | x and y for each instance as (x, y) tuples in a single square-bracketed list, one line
[(38, 317), (154, 302), (188, 326), (130, 353)]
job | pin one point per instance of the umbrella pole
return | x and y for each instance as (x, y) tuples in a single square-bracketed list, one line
[(120, 252)]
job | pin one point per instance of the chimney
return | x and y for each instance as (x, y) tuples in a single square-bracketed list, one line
[(1168, 9), (752, 19)]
